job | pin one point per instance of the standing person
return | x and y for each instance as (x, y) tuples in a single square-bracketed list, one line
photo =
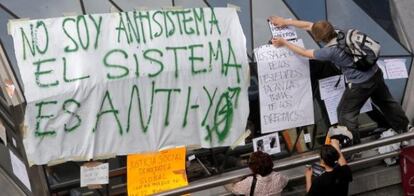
[(335, 180), (361, 85), (264, 181)]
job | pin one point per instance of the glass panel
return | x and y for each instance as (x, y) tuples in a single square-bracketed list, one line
[(380, 11), (245, 20), (7, 42), (314, 10), (42, 8), (265, 8), (217, 3), (339, 13), (128, 5), (190, 3), (92, 7)]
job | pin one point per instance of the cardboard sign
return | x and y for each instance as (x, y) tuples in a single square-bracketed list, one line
[(156, 172)]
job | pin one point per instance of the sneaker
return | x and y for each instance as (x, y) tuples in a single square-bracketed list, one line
[(342, 134), (404, 144), (410, 128)]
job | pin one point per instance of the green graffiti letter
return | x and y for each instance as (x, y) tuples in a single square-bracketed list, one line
[(199, 18), (40, 116), (174, 49), (38, 73), (210, 100), (214, 22), (79, 19), (125, 70), (223, 119), (111, 110), (216, 55), (98, 29), (72, 114), (153, 59), (186, 20), (41, 23), (193, 58), (144, 125), (25, 41), (132, 29), (65, 78), (67, 48), (121, 27), (154, 18), (187, 106), (233, 64), (168, 91)]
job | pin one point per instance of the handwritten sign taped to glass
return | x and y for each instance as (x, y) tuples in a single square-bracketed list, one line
[(151, 173), (112, 84), (284, 88)]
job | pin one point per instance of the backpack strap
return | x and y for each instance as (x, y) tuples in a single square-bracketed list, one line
[(339, 41), (253, 185)]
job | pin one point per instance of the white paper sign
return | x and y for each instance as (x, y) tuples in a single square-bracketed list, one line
[(381, 64), (94, 175), (332, 105), (396, 68), (269, 143), (287, 32), (191, 157), (331, 86), (3, 133), (307, 138), (19, 170), (284, 88), (114, 84)]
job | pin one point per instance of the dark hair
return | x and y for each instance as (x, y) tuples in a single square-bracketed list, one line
[(261, 163), (329, 155), (323, 31)]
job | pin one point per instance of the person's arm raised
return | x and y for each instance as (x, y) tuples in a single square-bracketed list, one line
[(278, 41), (281, 22), (341, 160)]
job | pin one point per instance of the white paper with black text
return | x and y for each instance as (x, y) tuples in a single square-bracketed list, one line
[(94, 175), (284, 88)]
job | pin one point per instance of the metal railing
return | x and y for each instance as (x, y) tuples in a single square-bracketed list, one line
[(288, 163)]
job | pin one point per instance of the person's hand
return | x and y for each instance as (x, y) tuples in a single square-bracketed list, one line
[(277, 21), (278, 41), (335, 144), (308, 172)]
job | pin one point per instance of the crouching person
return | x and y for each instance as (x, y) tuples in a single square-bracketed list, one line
[(264, 181)]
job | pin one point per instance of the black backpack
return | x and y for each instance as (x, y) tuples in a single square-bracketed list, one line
[(363, 49)]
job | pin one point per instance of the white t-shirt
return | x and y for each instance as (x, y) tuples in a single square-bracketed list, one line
[(271, 184)]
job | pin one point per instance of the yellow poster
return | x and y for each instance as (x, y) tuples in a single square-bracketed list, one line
[(156, 172)]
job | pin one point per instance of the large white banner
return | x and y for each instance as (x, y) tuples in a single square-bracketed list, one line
[(120, 83), (284, 88)]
